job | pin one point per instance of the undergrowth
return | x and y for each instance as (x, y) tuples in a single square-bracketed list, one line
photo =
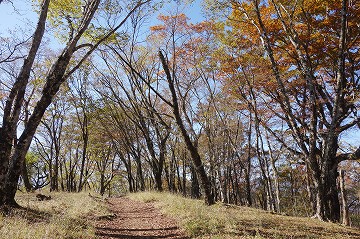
[(66, 215), (229, 221)]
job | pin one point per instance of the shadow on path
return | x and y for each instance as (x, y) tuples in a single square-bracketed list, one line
[(137, 220)]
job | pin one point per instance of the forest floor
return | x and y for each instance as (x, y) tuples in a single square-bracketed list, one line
[(154, 215), (162, 215), (136, 220)]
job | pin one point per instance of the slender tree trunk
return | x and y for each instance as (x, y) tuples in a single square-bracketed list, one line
[(195, 189), (139, 173), (25, 177), (199, 167), (224, 187), (130, 175), (179, 181), (85, 137), (167, 176), (276, 176), (248, 163), (172, 172), (344, 206), (102, 184), (184, 176), (55, 176), (310, 188)]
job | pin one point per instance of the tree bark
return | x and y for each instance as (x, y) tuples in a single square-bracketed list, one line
[(85, 137), (11, 117), (25, 177), (344, 206), (195, 189)]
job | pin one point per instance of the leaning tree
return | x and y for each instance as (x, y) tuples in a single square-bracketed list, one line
[(81, 35)]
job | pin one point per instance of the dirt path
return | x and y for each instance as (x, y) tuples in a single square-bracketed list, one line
[(136, 220)]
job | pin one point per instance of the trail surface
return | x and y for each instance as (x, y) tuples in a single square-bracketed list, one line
[(136, 220)]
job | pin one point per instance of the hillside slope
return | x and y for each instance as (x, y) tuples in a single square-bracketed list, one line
[(65, 215), (229, 221)]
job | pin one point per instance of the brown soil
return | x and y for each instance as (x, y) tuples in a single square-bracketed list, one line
[(136, 220)]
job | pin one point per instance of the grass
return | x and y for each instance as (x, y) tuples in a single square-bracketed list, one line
[(66, 215), (72, 216), (229, 221)]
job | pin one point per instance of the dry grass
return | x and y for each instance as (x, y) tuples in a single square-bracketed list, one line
[(229, 221), (66, 215)]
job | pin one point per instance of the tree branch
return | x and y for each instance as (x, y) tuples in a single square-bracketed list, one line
[(349, 156)]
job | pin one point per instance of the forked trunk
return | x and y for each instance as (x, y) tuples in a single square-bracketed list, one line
[(326, 193), (331, 198)]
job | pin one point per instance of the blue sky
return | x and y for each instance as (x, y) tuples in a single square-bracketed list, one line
[(19, 14), (20, 17)]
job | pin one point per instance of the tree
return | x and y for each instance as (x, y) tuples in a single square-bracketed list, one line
[(79, 85), (306, 74), (52, 135), (36, 171), (78, 18), (137, 103), (195, 156), (174, 31)]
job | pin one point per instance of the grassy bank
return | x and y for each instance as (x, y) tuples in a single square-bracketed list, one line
[(229, 221), (66, 215)]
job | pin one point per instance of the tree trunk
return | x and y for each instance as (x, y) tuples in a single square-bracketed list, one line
[(184, 176), (344, 206), (85, 137), (139, 174), (130, 175), (276, 176), (224, 187), (172, 172), (55, 176), (310, 188), (199, 167), (158, 180), (178, 180), (331, 199), (10, 119), (248, 164), (195, 189), (25, 177), (102, 184)]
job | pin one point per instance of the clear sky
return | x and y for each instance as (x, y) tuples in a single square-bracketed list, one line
[(16, 15)]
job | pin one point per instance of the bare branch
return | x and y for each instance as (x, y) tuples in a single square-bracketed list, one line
[(349, 156)]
